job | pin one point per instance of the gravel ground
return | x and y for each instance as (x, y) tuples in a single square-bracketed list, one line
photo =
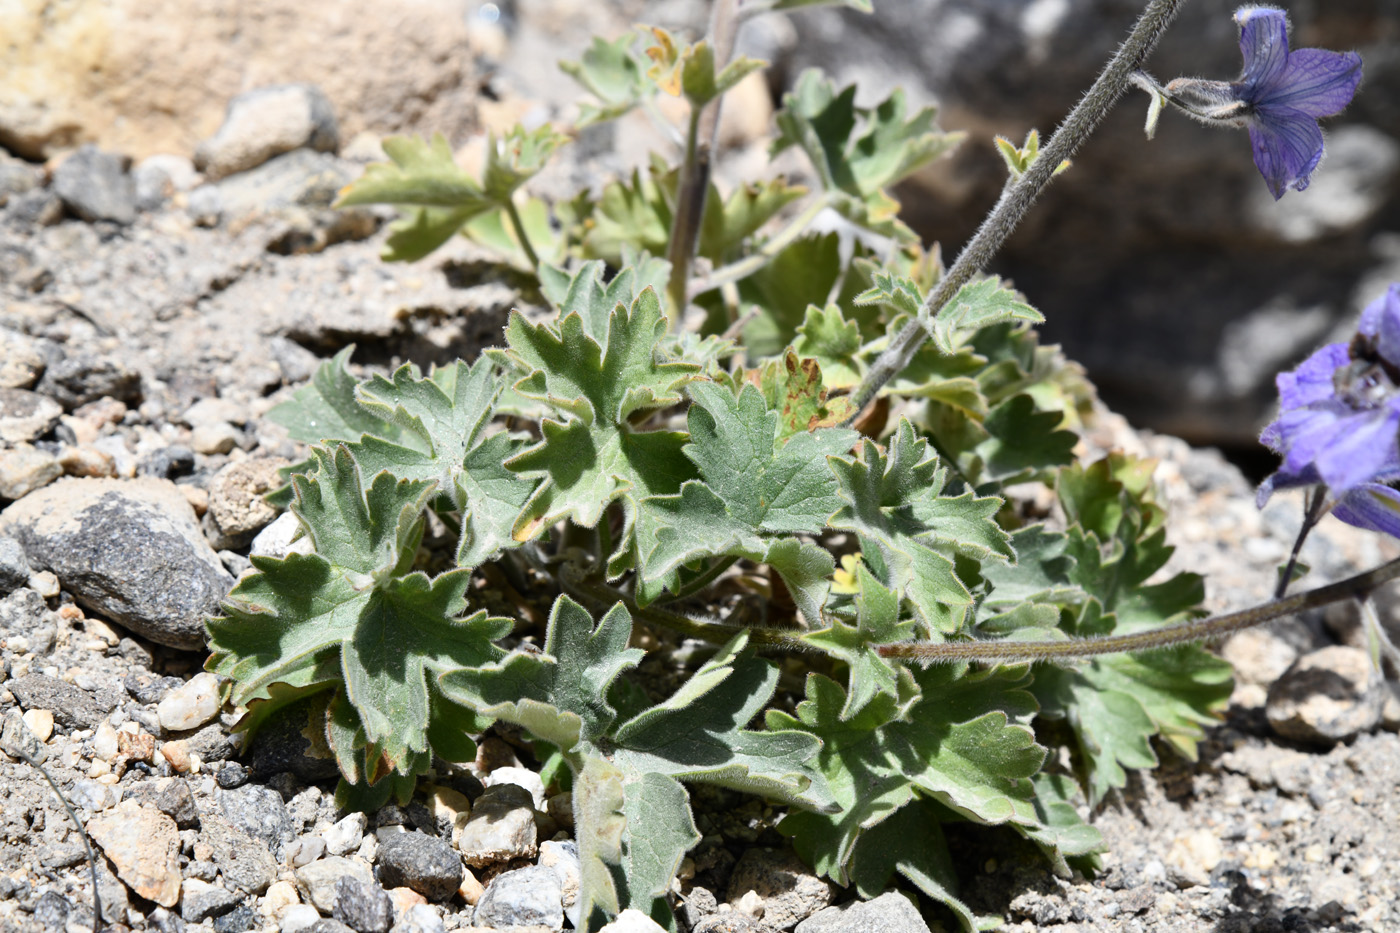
[(145, 357)]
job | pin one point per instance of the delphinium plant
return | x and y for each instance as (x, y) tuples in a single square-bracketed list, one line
[(727, 409)]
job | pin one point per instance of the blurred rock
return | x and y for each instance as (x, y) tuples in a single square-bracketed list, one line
[(82, 378), (267, 122), (21, 363), (95, 185), (1326, 697), (25, 468), (25, 415), (160, 177)]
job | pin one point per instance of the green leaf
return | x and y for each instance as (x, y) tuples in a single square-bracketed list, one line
[(755, 484), (631, 213), (975, 306), (423, 229), (727, 223), (859, 151), (803, 273), (600, 823), (894, 504), (834, 343), (794, 387), (326, 409), (560, 695), (517, 157), (877, 623), (660, 830), (1024, 441), (690, 70), (594, 456), (583, 291), (699, 735), (614, 74), (422, 173), (345, 613), (494, 231)]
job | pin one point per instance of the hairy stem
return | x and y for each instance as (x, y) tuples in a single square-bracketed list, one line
[(518, 225), (705, 579), (1313, 510), (1017, 199), (1195, 630), (743, 268)]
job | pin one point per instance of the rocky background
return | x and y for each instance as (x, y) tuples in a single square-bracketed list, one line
[(170, 270)]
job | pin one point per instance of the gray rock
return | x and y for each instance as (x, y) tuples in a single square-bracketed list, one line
[(424, 863), (317, 881), (364, 907), (501, 827), (37, 208), (170, 796), (90, 795), (79, 379), (259, 812), (239, 920), (159, 177), (285, 744), (16, 177), (244, 861), (267, 122), (888, 913), (525, 897), (420, 918), (562, 858), (130, 550), (95, 185), (789, 890), (21, 363), (25, 468), (200, 900), (1326, 697), (328, 925), (71, 706), (14, 566), (25, 415), (51, 910)]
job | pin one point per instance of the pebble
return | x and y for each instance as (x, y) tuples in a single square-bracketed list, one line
[(200, 900), (266, 122), (25, 468), (529, 896), (26, 415), (259, 812), (95, 185), (632, 920), (104, 741), (239, 920), (304, 850), (231, 775), (72, 707), (501, 827), (217, 438), (280, 895), (427, 864), (244, 862), (521, 777), (77, 380), (237, 507), (91, 795), (419, 919), (276, 539), (14, 566), (130, 551), (21, 363), (888, 913), (190, 705), (84, 460), (144, 845), (159, 177), (1328, 696), (40, 722), (317, 881), (214, 410), (364, 907), (787, 888), (562, 858), (297, 917), (346, 834)]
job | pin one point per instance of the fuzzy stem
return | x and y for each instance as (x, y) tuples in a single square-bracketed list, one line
[(518, 225), (1194, 630), (1017, 199), (1313, 510)]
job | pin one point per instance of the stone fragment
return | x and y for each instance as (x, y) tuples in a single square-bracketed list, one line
[(346, 834), (14, 566), (259, 812), (72, 706), (239, 920), (190, 705), (632, 920), (91, 795), (26, 415), (303, 850), (95, 185), (21, 363), (276, 539), (562, 858), (365, 908), (888, 913), (86, 461), (521, 777), (297, 918), (25, 468), (144, 845), (217, 438), (789, 891), (267, 122), (77, 380), (501, 827), (1327, 696), (170, 796), (280, 895), (524, 897), (421, 918), (131, 551), (200, 900), (244, 861), (160, 177), (237, 509), (427, 864), (317, 881), (40, 722)]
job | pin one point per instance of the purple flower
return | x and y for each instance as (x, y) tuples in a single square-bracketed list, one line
[(1279, 97), (1339, 421)]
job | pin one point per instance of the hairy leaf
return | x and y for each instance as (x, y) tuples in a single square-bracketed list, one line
[(877, 623), (975, 306), (834, 343), (614, 74)]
